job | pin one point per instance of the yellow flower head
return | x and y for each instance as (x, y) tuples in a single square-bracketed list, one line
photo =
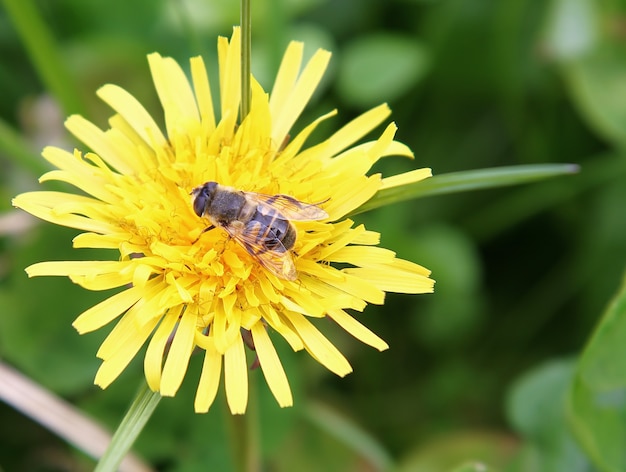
[(183, 287)]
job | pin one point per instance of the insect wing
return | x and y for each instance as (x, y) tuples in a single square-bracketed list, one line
[(288, 208), (262, 244)]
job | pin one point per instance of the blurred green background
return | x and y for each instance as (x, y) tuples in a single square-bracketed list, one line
[(476, 371)]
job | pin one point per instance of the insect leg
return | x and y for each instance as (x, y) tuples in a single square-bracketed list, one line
[(208, 228)]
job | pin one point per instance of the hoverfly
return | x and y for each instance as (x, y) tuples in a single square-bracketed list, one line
[(259, 223)]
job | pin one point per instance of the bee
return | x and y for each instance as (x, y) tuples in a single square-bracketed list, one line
[(260, 223)]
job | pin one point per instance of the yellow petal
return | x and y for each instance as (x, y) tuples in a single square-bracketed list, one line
[(128, 341), (333, 296), (318, 346), (353, 195), (271, 366), (406, 178), (315, 307), (99, 142), (131, 148), (107, 310), (357, 330), (296, 143), (178, 356), (37, 204), (209, 380), (367, 238), (100, 241), (123, 332), (153, 361), (101, 281), (362, 256), (157, 299), (53, 199), (141, 275), (299, 95), (290, 335), (356, 129), (175, 94), (236, 377), (75, 169), (255, 129), (363, 156), (359, 287), (384, 148), (411, 267), (390, 280), (286, 77), (203, 93), (229, 54), (65, 268), (219, 328), (134, 113), (250, 294)]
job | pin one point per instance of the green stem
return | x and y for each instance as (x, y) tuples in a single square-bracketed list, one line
[(127, 432), (244, 435), (246, 47), (44, 53)]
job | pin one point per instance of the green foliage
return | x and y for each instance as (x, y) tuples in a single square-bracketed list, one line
[(474, 377), (536, 411), (597, 406), (586, 37), (399, 61), (37, 317)]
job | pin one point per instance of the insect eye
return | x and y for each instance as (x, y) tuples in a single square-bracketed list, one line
[(202, 197), (200, 201)]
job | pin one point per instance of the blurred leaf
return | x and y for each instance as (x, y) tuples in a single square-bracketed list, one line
[(311, 449), (597, 402), (19, 151), (498, 215), (472, 467), (535, 401), (44, 53), (586, 36), (380, 67), (536, 409), (267, 55), (470, 448), (598, 84), (59, 417), (466, 180), (36, 315), (456, 312), (571, 27), (350, 434)]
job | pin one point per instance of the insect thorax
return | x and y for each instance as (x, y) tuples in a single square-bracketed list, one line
[(228, 206)]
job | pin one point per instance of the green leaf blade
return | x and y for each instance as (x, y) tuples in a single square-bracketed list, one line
[(464, 181), (597, 398)]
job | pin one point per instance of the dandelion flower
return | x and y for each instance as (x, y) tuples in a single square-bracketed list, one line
[(183, 289)]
